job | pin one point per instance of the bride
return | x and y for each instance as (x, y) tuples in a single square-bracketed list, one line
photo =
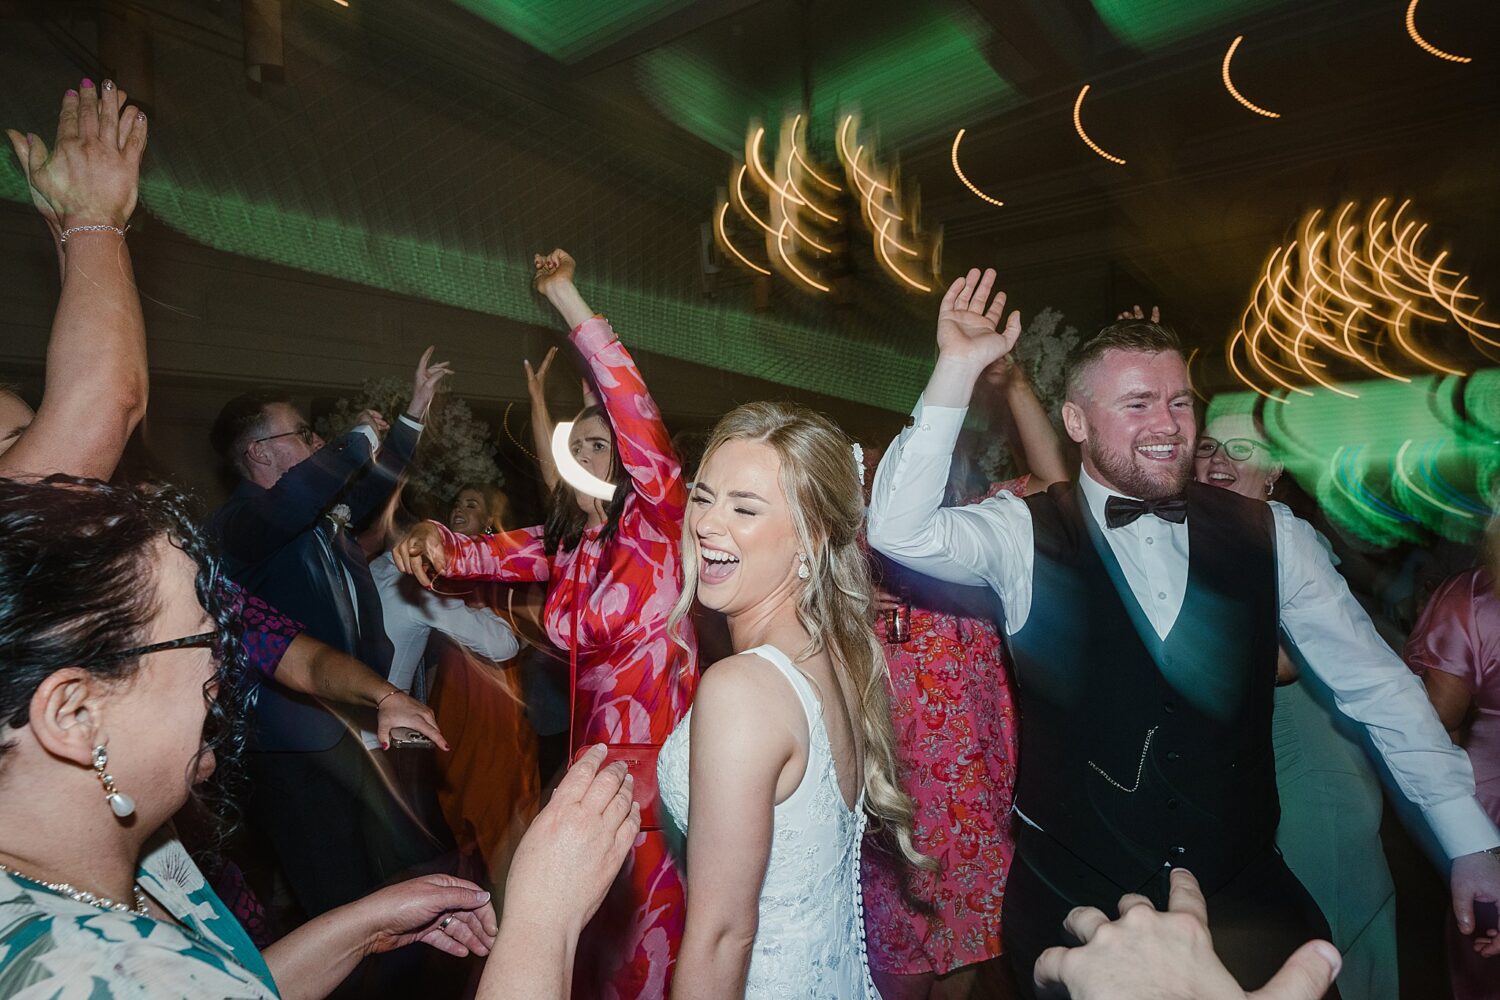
[(790, 738)]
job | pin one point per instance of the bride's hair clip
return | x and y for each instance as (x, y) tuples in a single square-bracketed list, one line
[(859, 461)]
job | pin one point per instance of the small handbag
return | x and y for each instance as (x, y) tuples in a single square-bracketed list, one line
[(639, 758)]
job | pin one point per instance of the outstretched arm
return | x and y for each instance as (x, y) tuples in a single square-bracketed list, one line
[(96, 384), (1034, 435), (977, 545), (430, 550), (641, 438)]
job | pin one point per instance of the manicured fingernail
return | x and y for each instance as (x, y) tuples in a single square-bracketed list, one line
[(72, 92), (385, 746), (140, 116), (109, 85), (87, 84)]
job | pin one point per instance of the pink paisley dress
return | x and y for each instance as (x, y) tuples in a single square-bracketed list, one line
[(956, 736), (634, 681)]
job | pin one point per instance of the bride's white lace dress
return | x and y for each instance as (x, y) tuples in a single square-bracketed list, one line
[(810, 942)]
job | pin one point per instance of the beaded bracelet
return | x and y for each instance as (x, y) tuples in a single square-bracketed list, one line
[(94, 229)]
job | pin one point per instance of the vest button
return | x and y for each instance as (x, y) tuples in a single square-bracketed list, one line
[(1173, 755), (1168, 707), (1178, 851)]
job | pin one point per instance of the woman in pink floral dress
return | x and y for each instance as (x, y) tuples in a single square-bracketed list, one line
[(619, 570)]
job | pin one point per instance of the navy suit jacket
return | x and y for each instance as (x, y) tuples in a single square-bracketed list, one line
[(281, 545)]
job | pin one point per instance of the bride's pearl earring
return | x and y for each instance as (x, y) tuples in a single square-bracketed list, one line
[(802, 571)]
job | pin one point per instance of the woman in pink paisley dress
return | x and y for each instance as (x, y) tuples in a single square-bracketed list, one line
[(622, 559), (956, 736)]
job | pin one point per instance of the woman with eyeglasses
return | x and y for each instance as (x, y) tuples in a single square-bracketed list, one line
[(1330, 794)]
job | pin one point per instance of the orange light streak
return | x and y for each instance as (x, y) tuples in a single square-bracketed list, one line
[(884, 238), (724, 238), (1233, 91), (1078, 126), (966, 182), (1424, 44), (781, 249)]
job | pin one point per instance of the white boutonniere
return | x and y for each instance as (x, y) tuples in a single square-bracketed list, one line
[(341, 515)]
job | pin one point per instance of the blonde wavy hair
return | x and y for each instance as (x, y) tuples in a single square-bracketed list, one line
[(825, 496)]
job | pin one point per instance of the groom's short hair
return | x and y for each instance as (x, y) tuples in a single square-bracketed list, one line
[(1137, 336)]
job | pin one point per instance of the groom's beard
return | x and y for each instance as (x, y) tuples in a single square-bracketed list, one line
[(1141, 477)]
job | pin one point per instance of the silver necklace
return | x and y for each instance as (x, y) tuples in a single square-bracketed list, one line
[(84, 896)]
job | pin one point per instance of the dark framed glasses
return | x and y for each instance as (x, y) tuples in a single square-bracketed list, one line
[(203, 640), (1238, 449), (304, 432)]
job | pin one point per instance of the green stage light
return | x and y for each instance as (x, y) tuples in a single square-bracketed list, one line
[(1149, 24)]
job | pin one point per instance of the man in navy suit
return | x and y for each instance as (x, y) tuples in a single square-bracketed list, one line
[(287, 533)]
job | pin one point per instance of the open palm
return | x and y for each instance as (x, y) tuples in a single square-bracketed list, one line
[(969, 321)]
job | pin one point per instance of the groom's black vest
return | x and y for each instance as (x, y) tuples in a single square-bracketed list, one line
[(1136, 751)]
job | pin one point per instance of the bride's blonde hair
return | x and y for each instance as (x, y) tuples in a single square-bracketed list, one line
[(825, 495)]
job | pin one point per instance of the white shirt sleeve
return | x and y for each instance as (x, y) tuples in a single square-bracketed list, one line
[(1372, 686), (986, 544), (478, 630)]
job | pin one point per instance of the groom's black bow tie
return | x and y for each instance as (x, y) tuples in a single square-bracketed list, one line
[(1120, 511)]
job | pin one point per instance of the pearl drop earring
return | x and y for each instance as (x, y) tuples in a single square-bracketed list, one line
[(120, 804)]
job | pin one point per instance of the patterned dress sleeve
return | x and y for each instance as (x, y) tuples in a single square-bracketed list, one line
[(266, 633), (511, 556), (641, 438), (1443, 638)]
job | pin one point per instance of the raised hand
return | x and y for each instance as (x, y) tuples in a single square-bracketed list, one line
[(555, 268), (1147, 955), (89, 176), (373, 420), (1136, 313), (421, 553), (536, 380), (968, 329), (425, 384), (450, 914)]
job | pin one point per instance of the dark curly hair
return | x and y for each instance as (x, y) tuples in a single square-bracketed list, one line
[(75, 592)]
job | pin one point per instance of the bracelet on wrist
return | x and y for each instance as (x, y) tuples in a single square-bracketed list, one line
[(381, 700), (76, 230)]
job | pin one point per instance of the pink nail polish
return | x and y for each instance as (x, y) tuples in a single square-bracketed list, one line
[(72, 93), (88, 84)]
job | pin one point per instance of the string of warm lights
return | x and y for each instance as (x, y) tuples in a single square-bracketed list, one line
[(966, 182), (1424, 44), (881, 210), (1234, 91), (1078, 127), (1359, 291)]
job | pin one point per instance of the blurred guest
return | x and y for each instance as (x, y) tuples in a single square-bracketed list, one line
[(613, 569), (315, 797), (1330, 795), (788, 748), (85, 189), (955, 723), (123, 675), (1456, 650), (487, 787), (1143, 612)]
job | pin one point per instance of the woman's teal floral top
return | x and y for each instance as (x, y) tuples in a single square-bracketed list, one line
[(52, 947)]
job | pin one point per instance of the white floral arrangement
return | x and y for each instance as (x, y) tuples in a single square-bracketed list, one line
[(341, 515), (1043, 352), (456, 448)]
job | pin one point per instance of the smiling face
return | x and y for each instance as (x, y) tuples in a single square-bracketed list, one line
[(740, 530), (468, 516), (1133, 418), (1252, 476)]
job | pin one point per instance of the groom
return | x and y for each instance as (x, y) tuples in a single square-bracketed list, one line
[(1142, 612)]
